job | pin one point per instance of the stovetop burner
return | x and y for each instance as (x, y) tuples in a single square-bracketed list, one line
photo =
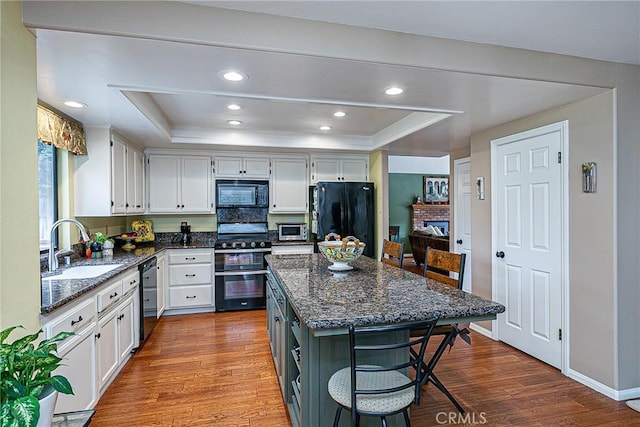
[(243, 236)]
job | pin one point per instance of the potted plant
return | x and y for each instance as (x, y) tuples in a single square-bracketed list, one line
[(25, 378)]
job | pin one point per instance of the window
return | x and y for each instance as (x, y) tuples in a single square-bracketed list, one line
[(47, 191)]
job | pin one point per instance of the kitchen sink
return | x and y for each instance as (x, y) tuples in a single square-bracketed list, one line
[(83, 272)]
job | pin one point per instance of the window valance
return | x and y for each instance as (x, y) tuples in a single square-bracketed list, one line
[(61, 131)]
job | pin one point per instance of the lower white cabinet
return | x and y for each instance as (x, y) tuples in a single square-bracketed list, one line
[(190, 279), (162, 274), (105, 323), (292, 249), (115, 339)]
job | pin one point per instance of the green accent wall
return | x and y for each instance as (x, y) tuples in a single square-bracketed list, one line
[(403, 190)]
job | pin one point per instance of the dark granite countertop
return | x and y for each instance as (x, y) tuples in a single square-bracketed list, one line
[(57, 293), (371, 293)]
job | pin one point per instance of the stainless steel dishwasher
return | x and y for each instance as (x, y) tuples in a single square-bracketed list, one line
[(148, 297)]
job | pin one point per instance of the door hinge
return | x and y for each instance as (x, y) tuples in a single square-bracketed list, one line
[(560, 334), (559, 157)]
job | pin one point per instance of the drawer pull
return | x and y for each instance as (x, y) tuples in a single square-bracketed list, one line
[(146, 300), (192, 297), (121, 317), (244, 303), (191, 258), (115, 294), (73, 322), (190, 275)]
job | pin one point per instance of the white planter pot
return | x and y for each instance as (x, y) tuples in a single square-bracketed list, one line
[(47, 406)]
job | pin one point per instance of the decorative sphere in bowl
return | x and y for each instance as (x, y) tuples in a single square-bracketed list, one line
[(340, 254)]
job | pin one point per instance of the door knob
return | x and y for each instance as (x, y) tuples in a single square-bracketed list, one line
[(459, 241), (500, 254)]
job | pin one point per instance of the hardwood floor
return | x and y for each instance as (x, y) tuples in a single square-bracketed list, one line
[(216, 370)]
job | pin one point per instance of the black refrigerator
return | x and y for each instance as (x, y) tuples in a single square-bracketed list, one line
[(345, 208)]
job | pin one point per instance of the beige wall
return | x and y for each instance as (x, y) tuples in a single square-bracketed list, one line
[(591, 228), (19, 247)]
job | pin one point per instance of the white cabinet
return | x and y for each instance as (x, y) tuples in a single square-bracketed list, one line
[(109, 180), (135, 181), (78, 367), (292, 249), (78, 352), (242, 167), (190, 279), (115, 339), (180, 184), (354, 168), (162, 272), (289, 185), (118, 175)]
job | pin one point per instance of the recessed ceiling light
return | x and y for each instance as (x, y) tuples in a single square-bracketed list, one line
[(234, 122), (394, 90), (74, 104), (234, 107), (339, 114), (232, 75), (325, 127)]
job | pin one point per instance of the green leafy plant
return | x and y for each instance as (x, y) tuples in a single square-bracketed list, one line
[(25, 372)]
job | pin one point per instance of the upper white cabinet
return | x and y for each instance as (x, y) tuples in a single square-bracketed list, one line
[(344, 167), (180, 184), (135, 181), (242, 167), (109, 180), (289, 185)]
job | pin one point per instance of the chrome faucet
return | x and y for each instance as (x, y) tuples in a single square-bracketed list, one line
[(53, 257)]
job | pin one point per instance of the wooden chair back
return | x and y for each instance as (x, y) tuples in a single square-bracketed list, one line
[(438, 264), (392, 253)]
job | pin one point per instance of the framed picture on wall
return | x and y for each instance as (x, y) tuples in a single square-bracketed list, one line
[(436, 189)]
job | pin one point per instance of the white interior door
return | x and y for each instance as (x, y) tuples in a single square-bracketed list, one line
[(528, 240), (462, 216)]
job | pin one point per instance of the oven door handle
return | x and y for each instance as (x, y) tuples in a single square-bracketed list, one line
[(241, 251), (239, 272)]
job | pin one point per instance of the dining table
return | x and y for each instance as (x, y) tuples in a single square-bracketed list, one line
[(312, 307)]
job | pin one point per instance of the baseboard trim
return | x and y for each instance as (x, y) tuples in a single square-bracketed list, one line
[(482, 331), (617, 395)]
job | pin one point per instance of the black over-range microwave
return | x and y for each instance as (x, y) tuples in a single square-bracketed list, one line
[(242, 194)]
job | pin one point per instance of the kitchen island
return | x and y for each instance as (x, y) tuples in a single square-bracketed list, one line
[(309, 309)]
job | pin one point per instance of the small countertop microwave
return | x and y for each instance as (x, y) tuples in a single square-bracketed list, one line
[(292, 232)]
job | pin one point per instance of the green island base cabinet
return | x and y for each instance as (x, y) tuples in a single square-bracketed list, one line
[(309, 309), (106, 324)]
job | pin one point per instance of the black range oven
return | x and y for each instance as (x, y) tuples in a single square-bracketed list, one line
[(240, 272)]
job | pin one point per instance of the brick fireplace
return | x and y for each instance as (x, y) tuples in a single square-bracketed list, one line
[(428, 212)]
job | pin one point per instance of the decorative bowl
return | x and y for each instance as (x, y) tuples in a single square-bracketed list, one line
[(341, 253)]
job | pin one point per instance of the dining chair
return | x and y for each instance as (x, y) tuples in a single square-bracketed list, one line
[(394, 233), (375, 382), (392, 253), (437, 266)]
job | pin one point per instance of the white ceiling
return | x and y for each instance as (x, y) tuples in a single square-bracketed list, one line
[(162, 93)]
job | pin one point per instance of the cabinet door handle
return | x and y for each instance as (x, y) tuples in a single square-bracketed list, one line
[(190, 297), (121, 317), (115, 294), (146, 300), (188, 258), (73, 322), (182, 206), (277, 319), (178, 206), (190, 275), (98, 335)]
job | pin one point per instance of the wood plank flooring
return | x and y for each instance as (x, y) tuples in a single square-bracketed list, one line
[(216, 370)]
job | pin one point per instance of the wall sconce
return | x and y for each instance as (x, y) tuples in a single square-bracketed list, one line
[(589, 176), (480, 187)]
